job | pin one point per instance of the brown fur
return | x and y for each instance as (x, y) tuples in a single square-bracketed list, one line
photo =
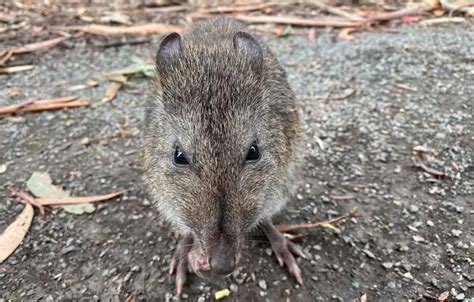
[(215, 102)]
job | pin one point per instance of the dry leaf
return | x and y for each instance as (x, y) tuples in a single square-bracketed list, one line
[(112, 91), (41, 185), (145, 29), (345, 33), (12, 237)]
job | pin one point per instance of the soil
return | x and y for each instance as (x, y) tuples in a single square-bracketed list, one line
[(367, 102)]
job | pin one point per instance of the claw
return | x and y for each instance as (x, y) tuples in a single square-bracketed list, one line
[(179, 262), (285, 251)]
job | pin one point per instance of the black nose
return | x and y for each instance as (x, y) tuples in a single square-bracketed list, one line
[(223, 260)]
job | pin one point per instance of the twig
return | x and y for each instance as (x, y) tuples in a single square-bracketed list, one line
[(41, 105), (5, 55), (75, 200), (290, 20), (244, 8), (39, 45), (452, 8), (336, 11), (416, 10), (28, 199), (14, 108), (104, 30), (292, 227), (429, 170), (41, 202)]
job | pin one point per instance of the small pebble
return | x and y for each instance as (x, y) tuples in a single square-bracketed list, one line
[(417, 238), (262, 284), (456, 233), (369, 254)]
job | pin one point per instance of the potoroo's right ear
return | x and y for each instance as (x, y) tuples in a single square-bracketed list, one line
[(246, 46), (168, 51)]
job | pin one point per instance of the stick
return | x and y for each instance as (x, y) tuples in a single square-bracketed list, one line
[(104, 30), (336, 11), (292, 227), (28, 199), (321, 21), (243, 8), (41, 105), (416, 10)]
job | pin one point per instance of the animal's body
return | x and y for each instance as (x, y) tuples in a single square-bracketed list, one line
[(222, 141)]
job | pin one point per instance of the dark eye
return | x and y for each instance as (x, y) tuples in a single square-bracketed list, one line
[(179, 158), (253, 154)]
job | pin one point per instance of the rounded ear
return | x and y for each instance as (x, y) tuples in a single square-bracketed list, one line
[(246, 45), (168, 51)]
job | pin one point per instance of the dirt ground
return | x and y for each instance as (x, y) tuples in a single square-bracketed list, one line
[(368, 102)]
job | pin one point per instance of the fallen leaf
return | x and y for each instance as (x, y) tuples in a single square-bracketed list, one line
[(345, 33), (112, 91), (12, 237), (104, 30), (41, 185), (13, 69)]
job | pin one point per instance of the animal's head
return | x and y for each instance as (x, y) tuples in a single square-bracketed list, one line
[(217, 147)]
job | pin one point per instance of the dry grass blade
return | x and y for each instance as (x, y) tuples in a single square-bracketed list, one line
[(74, 200), (104, 30), (290, 20), (39, 45), (292, 227), (12, 237), (13, 69)]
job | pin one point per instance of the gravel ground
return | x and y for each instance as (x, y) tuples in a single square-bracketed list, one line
[(368, 102)]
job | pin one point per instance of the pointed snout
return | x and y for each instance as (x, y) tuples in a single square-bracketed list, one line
[(223, 257)]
